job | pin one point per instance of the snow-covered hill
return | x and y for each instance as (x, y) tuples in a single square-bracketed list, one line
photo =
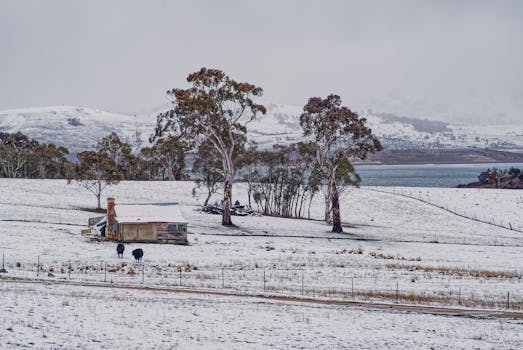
[(281, 124), (76, 128), (79, 128)]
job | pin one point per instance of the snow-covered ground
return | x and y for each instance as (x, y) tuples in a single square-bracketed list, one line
[(501, 207), (58, 317), (395, 249)]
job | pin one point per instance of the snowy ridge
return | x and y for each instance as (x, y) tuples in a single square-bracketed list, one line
[(282, 122), (76, 128), (80, 128)]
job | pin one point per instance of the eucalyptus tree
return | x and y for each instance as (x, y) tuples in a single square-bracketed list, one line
[(337, 135), (214, 109), (49, 161), (15, 154), (118, 150), (496, 176), (170, 152), (281, 180), (122, 154), (95, 171), (344, 177), (206, 167)]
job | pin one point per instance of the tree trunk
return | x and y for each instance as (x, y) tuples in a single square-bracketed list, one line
[(336, 217), (227, 198), (310, 204), (209, 194), (249, 193), (328, 210), (99, 194), (328, 203)]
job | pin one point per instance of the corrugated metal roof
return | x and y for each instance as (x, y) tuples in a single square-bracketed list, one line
[(152, 212)]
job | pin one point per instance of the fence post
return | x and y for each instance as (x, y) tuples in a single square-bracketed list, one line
[(180, 276), (459, 296), (105, 271), (352, 287), (3, 270), (397, 292), (264, 280), (38, 266), (301, 282), (508, 299), (223, 279), (143, 272)]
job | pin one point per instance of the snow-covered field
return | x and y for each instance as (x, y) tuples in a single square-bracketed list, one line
[(501, 207), (395, 249), (58, 317)]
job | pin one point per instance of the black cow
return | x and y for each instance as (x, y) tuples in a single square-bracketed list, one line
[(119, 249), (138, 253)]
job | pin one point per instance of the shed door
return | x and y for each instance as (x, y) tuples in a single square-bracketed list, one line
[(145, 232), (130, 232)]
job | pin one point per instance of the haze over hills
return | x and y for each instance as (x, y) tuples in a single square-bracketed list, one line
[(80, 128)]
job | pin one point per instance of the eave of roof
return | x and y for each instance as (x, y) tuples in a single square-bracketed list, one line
[(157, 219), (143, 213)]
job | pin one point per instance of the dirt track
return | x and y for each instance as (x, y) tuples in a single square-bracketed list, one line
[(444, 311)]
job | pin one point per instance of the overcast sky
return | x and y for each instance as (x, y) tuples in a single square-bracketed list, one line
[(447, 60)]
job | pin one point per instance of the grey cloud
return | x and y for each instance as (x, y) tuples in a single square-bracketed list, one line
[(445, 60)]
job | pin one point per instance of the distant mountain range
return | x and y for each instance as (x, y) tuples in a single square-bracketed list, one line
[(80, 128)]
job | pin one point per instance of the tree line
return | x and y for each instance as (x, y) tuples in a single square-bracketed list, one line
[(211, 117), (500, 178), (207, 124), (22, 157)]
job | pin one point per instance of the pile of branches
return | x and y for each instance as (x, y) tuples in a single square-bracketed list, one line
[(237, 210)]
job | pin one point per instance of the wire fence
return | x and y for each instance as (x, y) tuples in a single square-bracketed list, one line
[(291, 282), (474, 217)]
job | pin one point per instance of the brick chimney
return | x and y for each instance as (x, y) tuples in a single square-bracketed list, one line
[(110, 217)]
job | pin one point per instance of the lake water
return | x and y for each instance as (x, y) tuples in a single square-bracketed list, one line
[(425, 175)]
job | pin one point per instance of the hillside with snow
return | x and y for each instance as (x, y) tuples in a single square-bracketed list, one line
[(76, 128), (80, 128), (281, 124)]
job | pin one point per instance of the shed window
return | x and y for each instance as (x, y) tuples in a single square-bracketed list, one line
[(172, 227)]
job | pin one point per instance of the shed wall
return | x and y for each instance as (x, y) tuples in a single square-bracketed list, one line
[(138, 232), (169, 231)]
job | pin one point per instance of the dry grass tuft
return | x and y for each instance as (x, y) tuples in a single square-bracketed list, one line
[(448, 271), (352, 251), (382, 256)]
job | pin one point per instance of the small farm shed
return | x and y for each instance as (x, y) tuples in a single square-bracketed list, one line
[(151, 222)]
